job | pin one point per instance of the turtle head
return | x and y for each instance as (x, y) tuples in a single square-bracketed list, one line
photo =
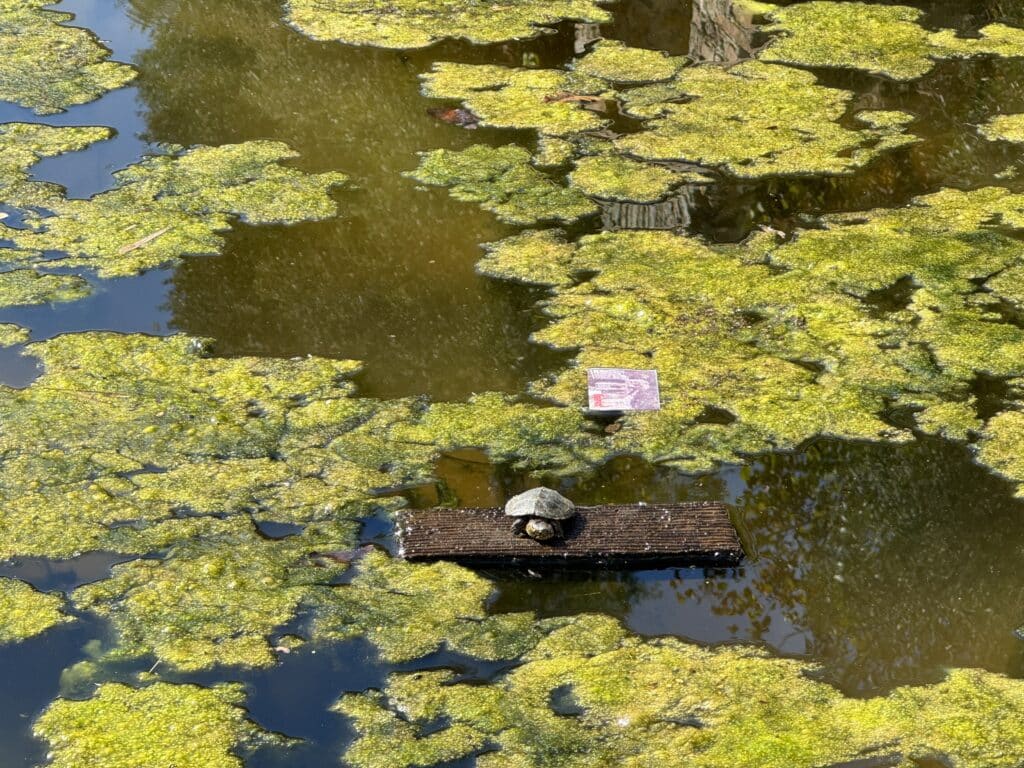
[(540, 529)]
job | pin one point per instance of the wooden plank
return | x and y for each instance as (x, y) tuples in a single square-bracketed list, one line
[(634, 535)]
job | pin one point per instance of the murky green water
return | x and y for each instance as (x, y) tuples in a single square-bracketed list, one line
[(884, 564)]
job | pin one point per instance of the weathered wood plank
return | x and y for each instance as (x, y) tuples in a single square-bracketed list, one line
[(622, 534)]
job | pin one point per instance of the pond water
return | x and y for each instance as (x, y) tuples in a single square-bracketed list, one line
[(882, 563)]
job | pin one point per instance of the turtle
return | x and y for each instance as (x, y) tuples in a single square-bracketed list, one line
[(539, 513)]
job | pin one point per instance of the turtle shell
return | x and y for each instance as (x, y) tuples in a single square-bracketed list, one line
[(540, 502)]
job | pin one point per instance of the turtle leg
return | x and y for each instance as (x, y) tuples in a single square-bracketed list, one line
[(556, 526), (519, 527)]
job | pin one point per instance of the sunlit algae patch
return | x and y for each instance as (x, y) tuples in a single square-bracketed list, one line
[(48, 66), (165, 207), (612, 177), (418, 23), (546, 100), (1004, 128), (408, 611), (184, 726), (21, 287), (11, 334), (619, 63), (781, 336), (502, 180), (884, 39), (589, 695), (25, 612), (131, 429), (778, 120), (217, 596), (753, 119)]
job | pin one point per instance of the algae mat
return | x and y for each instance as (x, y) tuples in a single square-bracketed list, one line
[(197, 481)]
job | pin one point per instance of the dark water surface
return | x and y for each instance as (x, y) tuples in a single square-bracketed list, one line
[(882, 563)]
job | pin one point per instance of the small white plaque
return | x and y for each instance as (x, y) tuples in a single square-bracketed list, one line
[(623, 389)]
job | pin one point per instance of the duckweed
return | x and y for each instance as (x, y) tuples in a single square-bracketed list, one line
[(26, 612), (887, 40), (48, 66), (540, 257), (137, 429), (780, 335), (781, 122), (173, 205), (418, 23), (665, 702), (162, 724), (503, 181)]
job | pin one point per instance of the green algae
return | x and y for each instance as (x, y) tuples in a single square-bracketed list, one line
[(21, 287), (553, 152), (726, 334), (140, 435), (1004, 128), (612, 177), (779, 335), (540, 257), (138, 429), (779, 122), (419, 23), (1002, 448), (215, 599), (408, 611), (11, 334), (887, 40), (547, 100), (617, 62), (665, 702), (524, 436), (22, 145), (173, 205), (502, 181), (162, 724), (48, 66), (944, 243), (26, 612)]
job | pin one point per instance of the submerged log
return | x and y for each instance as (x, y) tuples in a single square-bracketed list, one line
[(623, 535)]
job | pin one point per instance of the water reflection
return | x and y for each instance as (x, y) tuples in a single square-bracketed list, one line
[(393, 281), (883, 563)]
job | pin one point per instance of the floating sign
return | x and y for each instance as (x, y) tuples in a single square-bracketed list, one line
[(623, 389)]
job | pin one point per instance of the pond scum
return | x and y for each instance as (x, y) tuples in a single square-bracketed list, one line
[(152, 446)]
